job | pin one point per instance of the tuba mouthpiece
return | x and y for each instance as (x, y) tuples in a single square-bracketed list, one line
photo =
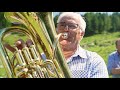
[(65, 35)]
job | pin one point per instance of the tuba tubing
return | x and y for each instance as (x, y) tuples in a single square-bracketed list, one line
[(43, 59)]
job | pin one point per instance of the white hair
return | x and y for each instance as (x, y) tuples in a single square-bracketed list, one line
[(82, 23)]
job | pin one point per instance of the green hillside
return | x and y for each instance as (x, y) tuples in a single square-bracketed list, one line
[(103, 44)]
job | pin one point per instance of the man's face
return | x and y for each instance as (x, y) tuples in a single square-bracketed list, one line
[(73, 30)]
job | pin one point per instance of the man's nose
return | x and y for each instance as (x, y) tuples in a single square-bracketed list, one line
[(66, 28)]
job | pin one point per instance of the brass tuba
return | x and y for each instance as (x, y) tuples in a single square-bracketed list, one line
[(42, 59)]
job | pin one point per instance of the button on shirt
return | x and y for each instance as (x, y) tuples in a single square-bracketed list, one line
[(87, 64), (113, 62)]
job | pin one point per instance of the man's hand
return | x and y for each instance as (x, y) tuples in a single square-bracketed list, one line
[(19, 44)]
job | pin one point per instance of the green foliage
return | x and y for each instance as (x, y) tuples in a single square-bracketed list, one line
[(101, 23), (3, 22), (55, 20), (2, 71)]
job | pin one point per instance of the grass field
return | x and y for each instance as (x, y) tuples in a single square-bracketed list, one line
[(103, 44)]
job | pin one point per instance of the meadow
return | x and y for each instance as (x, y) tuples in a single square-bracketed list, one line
[(103, 44)]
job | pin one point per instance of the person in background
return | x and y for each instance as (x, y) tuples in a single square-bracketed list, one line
[(114, 61)]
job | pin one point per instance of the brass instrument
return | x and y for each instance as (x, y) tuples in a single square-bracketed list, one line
[(42, 59)]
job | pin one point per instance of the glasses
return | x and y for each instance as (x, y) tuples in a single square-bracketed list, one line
[(70, 26)]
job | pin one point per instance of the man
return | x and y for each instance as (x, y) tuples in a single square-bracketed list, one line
[(114, 61), (82, 63)]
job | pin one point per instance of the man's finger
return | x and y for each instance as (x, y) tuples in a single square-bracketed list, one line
[(20, 44), (9, 47), (29, 43)]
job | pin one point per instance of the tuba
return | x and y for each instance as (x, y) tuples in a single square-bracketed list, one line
[(42, 59)]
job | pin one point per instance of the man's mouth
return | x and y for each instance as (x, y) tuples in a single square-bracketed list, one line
[(64, 42), (67, 38), (65, 35)]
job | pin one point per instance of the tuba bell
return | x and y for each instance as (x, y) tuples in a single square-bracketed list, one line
[(42, 59)]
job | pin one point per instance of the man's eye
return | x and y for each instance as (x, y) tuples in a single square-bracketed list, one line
[(73, 26), (62, 24)]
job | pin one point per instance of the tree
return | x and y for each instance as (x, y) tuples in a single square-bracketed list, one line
[(3, 22), (55, 20), (107, 22), (115, 18), (88, 19), (95, 23)]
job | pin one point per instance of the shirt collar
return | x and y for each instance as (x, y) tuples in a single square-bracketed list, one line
[(118, 53), (79, 52)]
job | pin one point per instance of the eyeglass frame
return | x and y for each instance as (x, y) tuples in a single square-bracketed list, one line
[(68, 25)]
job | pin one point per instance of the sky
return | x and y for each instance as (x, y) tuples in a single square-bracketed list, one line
[(82, 13), (56, 13)]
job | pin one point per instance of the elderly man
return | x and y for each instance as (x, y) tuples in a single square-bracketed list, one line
[(82, 63), (114, 61)]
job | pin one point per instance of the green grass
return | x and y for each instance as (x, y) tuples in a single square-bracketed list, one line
[(103, 44), (2, 73), (11, 39)]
